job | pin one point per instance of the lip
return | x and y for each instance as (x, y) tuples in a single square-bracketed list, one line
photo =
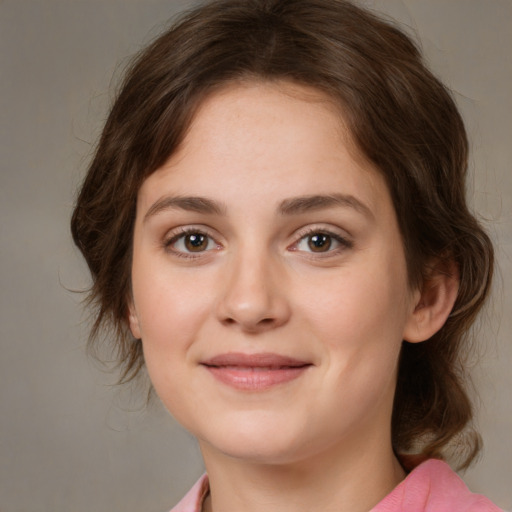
[(255, 372)]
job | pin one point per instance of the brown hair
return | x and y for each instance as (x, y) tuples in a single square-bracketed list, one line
[(401, 118)]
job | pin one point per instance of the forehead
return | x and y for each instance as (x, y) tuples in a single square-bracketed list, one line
[(258, 111), (264, 135)]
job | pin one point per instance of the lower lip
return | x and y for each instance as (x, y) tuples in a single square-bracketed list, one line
[(255, 379)]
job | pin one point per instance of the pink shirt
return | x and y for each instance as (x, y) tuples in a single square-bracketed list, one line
[(431, 487)]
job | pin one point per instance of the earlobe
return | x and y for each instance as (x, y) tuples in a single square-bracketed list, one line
[(133, 320), (434, 302)]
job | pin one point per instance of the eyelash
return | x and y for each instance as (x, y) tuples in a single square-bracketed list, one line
[(183, 232), (344, 243)]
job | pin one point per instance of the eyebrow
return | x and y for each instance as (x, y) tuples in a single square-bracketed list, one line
[(304, 204), (292, 206), (187, 203)]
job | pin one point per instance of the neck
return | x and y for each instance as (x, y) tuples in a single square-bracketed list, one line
[(351, 479)]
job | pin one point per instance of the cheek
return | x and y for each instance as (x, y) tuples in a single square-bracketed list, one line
[(173, 308), (169, 304), (359, 315), (357, 303)]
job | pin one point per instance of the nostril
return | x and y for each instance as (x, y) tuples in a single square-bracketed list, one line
[(251, 326)]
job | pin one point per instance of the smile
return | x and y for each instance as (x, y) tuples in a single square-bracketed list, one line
[(255, 372)]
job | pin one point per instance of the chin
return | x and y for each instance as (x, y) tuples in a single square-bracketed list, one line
[(260, 443), (263, 453)]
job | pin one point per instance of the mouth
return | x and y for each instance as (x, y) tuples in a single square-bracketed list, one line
[(255, 372)]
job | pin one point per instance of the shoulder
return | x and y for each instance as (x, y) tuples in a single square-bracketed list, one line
[(193, 500), (434, 487)]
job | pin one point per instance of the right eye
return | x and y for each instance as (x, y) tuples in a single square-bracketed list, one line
[(191, 242)]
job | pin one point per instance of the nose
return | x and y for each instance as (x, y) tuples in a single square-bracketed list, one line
[(254, 295)]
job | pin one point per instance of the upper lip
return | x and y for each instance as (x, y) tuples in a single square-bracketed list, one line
[(263, 360)]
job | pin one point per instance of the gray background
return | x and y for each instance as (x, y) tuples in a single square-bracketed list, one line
[(69, 440)]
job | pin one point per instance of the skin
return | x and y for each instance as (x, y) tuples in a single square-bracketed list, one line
[(256, 283)]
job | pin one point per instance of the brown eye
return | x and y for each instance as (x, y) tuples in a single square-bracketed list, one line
[(319, 242), (322, 243), (195, 242), (191, 242)]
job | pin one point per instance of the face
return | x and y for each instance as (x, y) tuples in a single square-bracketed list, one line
[(269, 281)]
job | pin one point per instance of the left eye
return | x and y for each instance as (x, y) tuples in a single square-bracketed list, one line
[(318, 242), (192, 242)]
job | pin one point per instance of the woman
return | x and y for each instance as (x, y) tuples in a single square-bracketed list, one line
[(276, 226)]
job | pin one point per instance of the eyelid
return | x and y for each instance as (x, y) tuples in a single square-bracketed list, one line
[(339, 235), (344, 239), (172, 236)]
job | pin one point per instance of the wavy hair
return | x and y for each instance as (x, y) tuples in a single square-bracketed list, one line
[(402, 118)]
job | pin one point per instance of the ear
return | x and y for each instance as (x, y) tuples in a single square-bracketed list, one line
[(133, 320), (433, 301)]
